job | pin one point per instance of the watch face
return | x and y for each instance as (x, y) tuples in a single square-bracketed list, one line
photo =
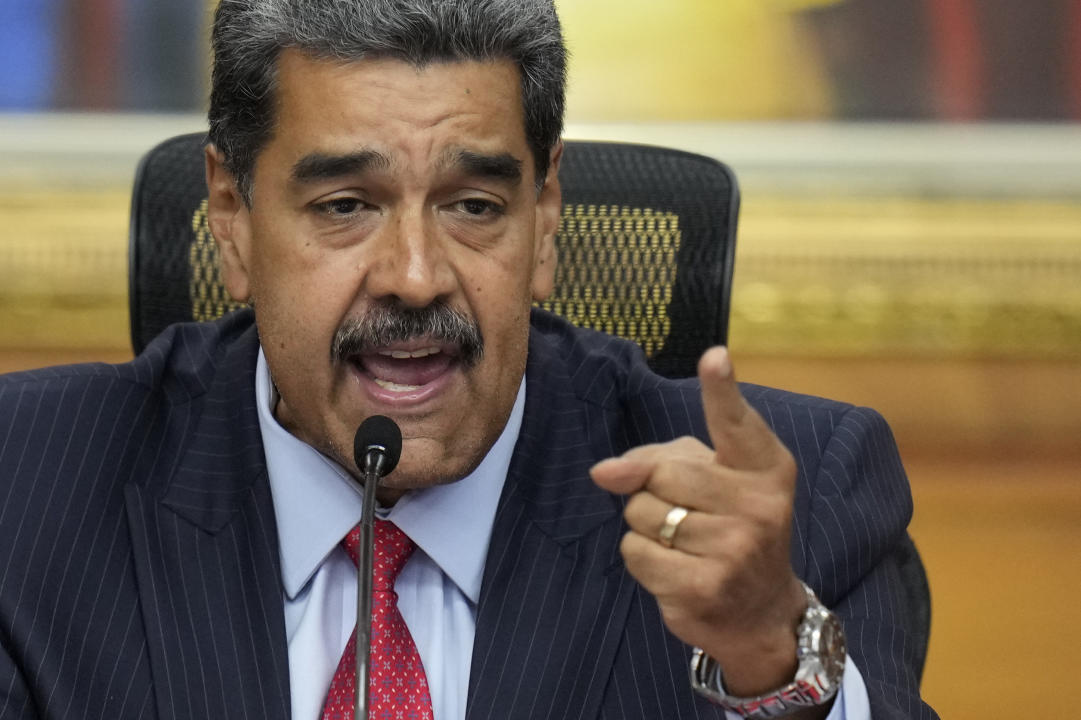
[(831, 648)]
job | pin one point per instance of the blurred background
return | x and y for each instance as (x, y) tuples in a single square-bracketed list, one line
[(910, 240)]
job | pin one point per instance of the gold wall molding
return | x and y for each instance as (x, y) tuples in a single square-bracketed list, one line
[(63, 268), (827, 276), (904, 276)]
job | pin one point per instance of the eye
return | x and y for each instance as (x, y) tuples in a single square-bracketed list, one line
[(341, 206), (478, 207)]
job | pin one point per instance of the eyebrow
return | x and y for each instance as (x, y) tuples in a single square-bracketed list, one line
[(319, 166), (502, 166)]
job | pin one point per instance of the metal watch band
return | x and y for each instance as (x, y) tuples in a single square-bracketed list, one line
[(821, 654)]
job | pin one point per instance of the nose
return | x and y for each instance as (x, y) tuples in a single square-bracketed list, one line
[(409, 261)]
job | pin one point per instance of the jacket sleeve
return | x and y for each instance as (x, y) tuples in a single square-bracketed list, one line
[(853, 545)]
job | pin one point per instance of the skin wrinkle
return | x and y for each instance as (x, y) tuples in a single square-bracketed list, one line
[(502, 166), (319, 166)]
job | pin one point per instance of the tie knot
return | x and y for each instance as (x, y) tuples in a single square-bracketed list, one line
[(392, 549)]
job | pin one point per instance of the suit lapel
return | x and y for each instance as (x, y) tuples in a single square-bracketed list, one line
[(555, 595), (206, 555)]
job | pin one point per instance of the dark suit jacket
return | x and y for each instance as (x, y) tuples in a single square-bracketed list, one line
[(139, 570)]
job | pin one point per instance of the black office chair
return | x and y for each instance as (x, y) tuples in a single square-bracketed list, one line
[(646, 248)]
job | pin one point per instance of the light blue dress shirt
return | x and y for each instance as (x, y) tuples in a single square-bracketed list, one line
[(316, 502)]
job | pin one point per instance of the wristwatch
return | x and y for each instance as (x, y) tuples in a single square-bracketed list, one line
[(821, 653)]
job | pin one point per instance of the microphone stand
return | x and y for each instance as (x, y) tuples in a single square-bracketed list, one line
[(373, 463), (377, 446)]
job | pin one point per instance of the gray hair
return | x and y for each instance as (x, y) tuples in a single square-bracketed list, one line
[(249, 35)]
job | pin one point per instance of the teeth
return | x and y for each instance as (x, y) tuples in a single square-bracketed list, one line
[(405, 354), (394, 387)]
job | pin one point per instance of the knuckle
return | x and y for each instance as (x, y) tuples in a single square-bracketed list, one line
[(770, 512), (686, 445), (741, 549), (705, 585), (687, 457), (635, 508), (665, 477), (629, 548), (709, 587)]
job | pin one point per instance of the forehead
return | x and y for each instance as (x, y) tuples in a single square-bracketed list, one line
[(390, 104)]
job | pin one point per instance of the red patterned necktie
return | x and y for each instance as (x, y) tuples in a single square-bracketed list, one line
[(399, 688)]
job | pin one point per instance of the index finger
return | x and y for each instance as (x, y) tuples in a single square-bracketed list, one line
[(741, 439)]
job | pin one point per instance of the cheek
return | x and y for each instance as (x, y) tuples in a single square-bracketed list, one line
[(503, 313), (304, 289), (509, 340), (296, 329)]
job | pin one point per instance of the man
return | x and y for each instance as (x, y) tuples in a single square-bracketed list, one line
[(383, 187)]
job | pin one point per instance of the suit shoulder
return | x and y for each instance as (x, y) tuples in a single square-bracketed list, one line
[(612, 379), (120, 414), (175, 365), (601, 369), (795, 413), (764, 398), (98, 425), (613, 373)]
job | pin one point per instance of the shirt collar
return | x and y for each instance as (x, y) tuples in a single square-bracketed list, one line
[(316, 502)]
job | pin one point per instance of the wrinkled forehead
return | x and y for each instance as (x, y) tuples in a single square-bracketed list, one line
[(298, 64), (340, 108)]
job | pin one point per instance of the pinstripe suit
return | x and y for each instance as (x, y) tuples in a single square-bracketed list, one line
[(139, 570)]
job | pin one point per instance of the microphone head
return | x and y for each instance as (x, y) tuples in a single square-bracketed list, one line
[(381, 434)]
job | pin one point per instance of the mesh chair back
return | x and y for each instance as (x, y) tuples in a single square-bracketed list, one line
[(646, 245)]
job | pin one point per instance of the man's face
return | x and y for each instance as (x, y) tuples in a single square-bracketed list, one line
[(386, 189)]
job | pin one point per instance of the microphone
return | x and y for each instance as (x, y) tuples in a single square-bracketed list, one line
[(377, 447)]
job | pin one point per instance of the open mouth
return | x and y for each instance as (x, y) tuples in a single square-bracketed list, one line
[(406, 369)]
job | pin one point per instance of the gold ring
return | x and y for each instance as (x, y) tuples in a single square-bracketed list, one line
[(671, 524)]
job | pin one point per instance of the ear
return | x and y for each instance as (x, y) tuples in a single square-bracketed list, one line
[(229, 220), (549, 208)]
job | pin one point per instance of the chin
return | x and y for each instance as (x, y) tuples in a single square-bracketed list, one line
[(421, 475), (426, 463)]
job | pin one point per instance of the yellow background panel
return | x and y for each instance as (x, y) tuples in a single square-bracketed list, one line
[(690, 60)]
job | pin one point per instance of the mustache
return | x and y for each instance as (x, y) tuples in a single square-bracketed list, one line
[(389, 323)]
